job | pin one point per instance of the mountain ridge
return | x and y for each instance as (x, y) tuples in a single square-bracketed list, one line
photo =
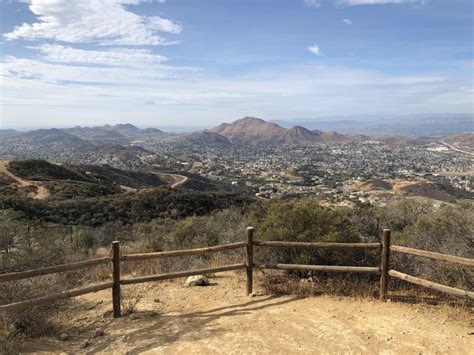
[(256, 130)]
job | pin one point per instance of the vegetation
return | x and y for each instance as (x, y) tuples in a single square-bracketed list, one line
[(82, 217)]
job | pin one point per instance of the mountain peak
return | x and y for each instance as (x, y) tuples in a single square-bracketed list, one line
[(126, 126), (249, 119)]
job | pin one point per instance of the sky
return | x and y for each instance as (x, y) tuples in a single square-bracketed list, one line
[(159, 63)]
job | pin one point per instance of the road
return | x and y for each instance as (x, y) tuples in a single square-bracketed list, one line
[(456, 149)]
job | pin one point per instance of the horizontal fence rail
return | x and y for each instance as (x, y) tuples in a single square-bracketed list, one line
[(330, 268), (52, 269), (384, 248), (305, 245), (184, 252), (432, 255), (55, 297), (175, 275), (432, 285)]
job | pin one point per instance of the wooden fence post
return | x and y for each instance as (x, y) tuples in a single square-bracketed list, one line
[(116, 278), (385, 264), (249, 259)]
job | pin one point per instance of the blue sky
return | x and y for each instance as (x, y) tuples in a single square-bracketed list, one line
[(202, 62)]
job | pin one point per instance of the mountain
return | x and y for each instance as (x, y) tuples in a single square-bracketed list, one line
[(101, 133), (433, 125), (297, 135), (119, 133), (53, 138), (251, 130), (208, 138), (256, 130), (7, 133)]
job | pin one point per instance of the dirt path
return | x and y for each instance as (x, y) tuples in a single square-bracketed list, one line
[(41, 192), (175, 180), (219, 319)]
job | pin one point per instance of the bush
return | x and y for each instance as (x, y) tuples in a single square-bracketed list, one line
[(306, 221)]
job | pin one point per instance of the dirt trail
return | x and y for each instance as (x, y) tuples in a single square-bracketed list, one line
[(174, 179), (220, 319), (41, 192)]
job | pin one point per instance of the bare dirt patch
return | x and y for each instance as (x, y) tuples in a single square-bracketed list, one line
[(220, 319)]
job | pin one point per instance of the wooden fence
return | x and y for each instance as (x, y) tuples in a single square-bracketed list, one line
[(248, 264)]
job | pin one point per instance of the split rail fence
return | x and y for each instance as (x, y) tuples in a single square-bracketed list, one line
[(248, 264)]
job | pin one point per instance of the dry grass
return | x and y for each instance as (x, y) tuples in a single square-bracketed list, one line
[(341, 285)]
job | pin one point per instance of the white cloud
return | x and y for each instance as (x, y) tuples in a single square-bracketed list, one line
[(73, 93), (347, 21), (105, 22), (380, 2), (312, 3), (314, 49), (115, 56)]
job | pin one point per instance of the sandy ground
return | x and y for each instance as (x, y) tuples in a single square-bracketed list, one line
[(219, 318)]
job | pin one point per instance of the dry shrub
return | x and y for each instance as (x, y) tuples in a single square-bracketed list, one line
[(9, 338), (131, 296), (32, 321), (321, 283)]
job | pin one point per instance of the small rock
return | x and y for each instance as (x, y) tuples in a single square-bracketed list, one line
[(197, 280), (156, 300), (98, 333), (63, 337), (84, 344)]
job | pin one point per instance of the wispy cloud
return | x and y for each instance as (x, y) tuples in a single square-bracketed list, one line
[(114, 56), (314, 49), (347, 21), (105, 22), (312, 3), (380, 2)]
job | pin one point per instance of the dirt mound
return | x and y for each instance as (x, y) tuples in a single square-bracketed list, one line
[(220, 319)]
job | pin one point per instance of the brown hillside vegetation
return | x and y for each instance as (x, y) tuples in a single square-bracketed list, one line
[(174, 319)]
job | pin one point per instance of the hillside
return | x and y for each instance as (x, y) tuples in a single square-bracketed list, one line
[(94, 195), (173, 319), (463, 142), (257, 131)]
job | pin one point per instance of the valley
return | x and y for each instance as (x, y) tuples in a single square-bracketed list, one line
[(265, 159)]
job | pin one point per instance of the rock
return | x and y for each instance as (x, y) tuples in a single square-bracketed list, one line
[(84, 344), (197, 280), (63, 337), (98, 333)]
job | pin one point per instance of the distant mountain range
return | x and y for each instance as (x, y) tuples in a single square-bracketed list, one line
[(427, 125), (125, 140)]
